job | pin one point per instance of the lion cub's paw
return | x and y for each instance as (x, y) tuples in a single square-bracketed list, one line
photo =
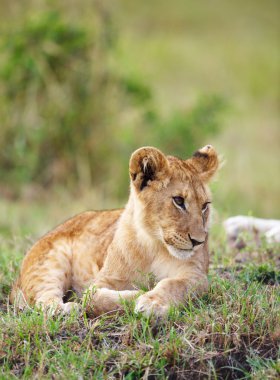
[(56, 309), (69, 307), (151, 304)]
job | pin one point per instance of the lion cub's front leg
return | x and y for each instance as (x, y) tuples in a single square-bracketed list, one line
[(113, 285), (170, 292), (108, 292), (103, 300)]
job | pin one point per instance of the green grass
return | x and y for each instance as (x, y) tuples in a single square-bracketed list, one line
[(232, 332)]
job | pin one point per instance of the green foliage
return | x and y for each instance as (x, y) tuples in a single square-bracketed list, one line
[(54, 98), (67, 114), (265, 274), (44, 44), (185, 130)]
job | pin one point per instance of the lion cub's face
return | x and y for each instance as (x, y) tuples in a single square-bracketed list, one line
[(173, 197)]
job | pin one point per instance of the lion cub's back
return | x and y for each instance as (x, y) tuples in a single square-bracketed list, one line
[(96, 222), (92, 228)]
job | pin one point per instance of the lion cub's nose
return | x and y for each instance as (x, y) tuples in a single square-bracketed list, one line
[(195, 242)]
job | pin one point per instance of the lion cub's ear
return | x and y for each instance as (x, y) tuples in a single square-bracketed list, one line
[(205, 162), (148, 165)]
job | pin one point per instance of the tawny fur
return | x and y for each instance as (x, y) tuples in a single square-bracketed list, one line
[(105, 253)]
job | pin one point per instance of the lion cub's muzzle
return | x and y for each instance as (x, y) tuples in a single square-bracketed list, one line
[(195, 242), (183, 248), (178, 241)]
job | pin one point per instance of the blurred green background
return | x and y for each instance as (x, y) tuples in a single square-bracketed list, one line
[(84, 83)]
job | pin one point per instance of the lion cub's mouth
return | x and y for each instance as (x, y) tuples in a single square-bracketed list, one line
[(179, 253)]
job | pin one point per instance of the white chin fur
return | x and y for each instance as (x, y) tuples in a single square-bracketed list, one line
[(181, 254)]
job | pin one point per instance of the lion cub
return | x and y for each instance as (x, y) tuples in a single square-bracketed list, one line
[(162, 230)]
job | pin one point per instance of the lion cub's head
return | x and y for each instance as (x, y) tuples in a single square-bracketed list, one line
[(171, 198)]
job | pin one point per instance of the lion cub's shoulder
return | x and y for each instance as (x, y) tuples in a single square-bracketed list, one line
[(95, 221)]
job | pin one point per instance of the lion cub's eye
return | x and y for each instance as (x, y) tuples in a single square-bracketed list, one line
[(205, 206), (179, 201)]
